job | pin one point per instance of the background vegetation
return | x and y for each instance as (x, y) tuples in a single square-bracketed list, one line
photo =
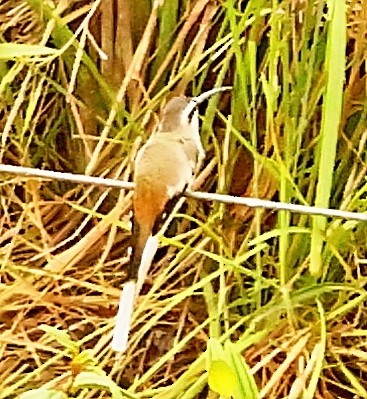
[(293, 129)]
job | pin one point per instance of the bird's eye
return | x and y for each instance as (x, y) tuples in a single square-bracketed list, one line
[(191, 114)]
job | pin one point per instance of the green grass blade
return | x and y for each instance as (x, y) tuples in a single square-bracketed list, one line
[(331, 116)]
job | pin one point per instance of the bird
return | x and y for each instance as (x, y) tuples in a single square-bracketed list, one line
[(164, 168)]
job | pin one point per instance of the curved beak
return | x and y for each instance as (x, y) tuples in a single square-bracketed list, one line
[(195, 101)]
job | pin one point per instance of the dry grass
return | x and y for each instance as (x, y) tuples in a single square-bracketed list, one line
[(222, 272)]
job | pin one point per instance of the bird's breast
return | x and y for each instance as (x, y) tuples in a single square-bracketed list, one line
[(166, 162)]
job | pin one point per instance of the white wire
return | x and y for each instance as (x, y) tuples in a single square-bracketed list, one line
[(227, 199)]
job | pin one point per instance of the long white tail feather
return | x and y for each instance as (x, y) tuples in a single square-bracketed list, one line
[(130, 291), (123, 318), (150, 250)]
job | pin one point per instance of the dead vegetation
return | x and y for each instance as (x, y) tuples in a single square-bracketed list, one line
[(223, 272)]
